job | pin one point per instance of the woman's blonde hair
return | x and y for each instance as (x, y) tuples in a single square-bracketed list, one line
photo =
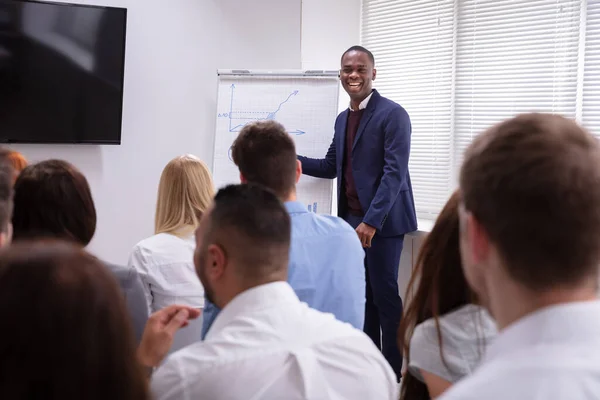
[(185, 191)]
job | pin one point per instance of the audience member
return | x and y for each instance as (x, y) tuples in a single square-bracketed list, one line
[(53, 200), (265, 343), (65, 333), (16, 159), (326, 268), (165, 260), (443, 331), (530, 244)]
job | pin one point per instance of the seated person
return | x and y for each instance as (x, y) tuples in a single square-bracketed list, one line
[(530, 245), (444, 332), (326, 268), (53, 200), (165, 260), (265, 343), (66, 332)]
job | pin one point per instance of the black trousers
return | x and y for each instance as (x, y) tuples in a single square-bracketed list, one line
[(383, 308)]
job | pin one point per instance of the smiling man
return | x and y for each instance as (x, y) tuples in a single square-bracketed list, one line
[(369, 156)]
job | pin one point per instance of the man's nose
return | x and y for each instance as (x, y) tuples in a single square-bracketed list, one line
[(354, 74)]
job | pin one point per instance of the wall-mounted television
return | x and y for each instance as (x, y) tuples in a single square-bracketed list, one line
[(61, 72)]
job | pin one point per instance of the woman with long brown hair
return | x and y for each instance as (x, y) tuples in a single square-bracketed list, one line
[(65, 329), (443, 332)]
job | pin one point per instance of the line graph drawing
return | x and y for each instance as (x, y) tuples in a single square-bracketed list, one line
[(250, 116)]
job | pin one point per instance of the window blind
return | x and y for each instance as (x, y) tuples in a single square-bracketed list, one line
[(413, 44), (460, 66), (513, 57), (591, 81)]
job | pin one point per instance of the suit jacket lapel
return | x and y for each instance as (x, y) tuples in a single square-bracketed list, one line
[(341, 145), (364, 120)]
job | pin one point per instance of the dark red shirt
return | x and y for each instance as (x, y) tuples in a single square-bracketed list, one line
[(352, 201)]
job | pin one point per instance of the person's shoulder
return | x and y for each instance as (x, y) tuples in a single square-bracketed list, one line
[(390, 106), (342, 116), (125, 275), (150, 243), (490, 382), (336, 333), (468, 389), (424, 338), (162, 248), (468, 325), (188, 364), (349, 346)]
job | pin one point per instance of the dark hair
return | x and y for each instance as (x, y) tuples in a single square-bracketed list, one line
[(66, 334), (437, 286), (533, 183), (362, 50), (265, 154), (253, 226), (7, 173), (53, 199)]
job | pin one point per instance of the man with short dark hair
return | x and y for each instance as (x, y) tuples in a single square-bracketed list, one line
[(265, 343), (369, 156), (326, 259), (530, 243)]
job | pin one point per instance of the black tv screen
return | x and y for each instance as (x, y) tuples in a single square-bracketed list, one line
[(61, 72)]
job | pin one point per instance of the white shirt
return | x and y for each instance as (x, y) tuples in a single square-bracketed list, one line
[(466, 332), (165, 263), (267, 345), (553, 353), (363, 104)]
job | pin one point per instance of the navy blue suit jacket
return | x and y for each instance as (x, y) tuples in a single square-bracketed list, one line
[(379, 165)]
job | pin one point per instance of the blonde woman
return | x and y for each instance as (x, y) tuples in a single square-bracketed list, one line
[(165, 260)]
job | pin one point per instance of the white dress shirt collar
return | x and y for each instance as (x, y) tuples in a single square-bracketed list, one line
[(363, 104), (260, 297), (554, 324)]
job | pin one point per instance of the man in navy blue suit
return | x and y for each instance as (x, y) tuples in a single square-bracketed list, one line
[(369, 156)]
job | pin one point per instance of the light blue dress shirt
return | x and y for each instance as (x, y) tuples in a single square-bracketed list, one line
[(326, 267)]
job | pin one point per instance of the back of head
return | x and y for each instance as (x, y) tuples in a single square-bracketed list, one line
[(437, 287), (66, 332), (251, 229), (265, 154), (185, 191), (533, 185), (53, 199)]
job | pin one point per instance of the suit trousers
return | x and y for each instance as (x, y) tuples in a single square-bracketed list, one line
[(383, 308)]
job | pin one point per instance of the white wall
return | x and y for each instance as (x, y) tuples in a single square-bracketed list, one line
[(173, 51)]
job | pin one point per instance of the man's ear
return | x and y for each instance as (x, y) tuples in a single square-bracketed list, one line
[(298, 170), (480, 242), (216, 261), (374, 73), (242, 179)]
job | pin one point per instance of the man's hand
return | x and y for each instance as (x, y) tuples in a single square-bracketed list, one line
[(160, 330), (365, 234)]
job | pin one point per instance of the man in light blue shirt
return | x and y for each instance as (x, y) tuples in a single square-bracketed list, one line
[(326, 268)]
